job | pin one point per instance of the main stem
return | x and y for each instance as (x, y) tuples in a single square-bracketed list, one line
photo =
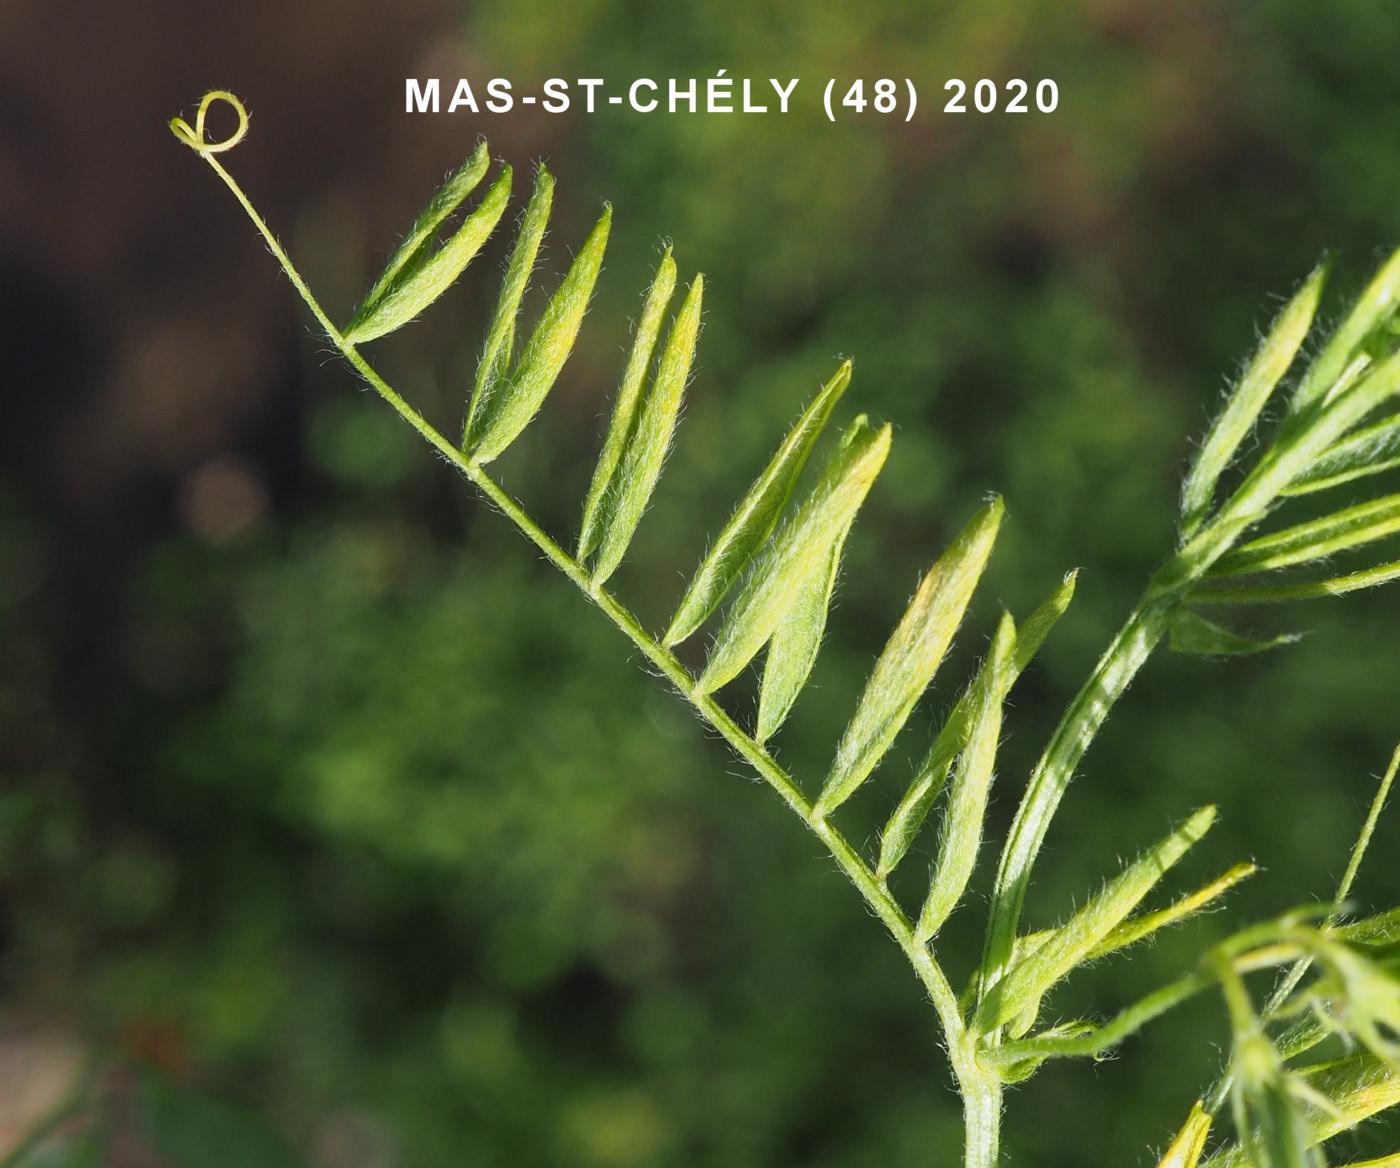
[(980, 1088)]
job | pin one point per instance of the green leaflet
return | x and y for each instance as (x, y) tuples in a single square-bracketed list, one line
[(1192, 634), (1232, 426), (647, 446), (756, 515), (1301, 444), (1138, 928), (508, 410), (961, 837), (446, 199), (1369, 451), (1311, 590), (1380, 929), (914, 807), (903, 825), (1305, 1034), (910, 657), (796, 553), (1127, 933), (491, 370), (1072, 942), (793, 650), (1186, 1149), (1042, 620), (1358, 1087), (418, 273), (1371, 390), (1372, 309), (1316, 539), (624, 413)]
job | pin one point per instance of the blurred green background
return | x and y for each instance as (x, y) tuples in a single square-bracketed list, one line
[(338, 825)]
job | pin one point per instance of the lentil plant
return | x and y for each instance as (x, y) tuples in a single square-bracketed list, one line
[(1312, 1056)]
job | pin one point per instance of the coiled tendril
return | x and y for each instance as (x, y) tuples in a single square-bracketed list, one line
[(193, 136)]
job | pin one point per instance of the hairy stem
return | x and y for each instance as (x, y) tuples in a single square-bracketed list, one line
[(1082, 720), (981, 1120), (980, 1089)]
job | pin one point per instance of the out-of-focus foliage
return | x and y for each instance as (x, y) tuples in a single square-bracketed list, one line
[(304, 827)]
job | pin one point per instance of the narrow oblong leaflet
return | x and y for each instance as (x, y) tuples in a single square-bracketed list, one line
[(646, 448), (756, 515), (793, 650), (961, 838), (511, 408), (919, 797), (1247, 400), (494, 365), (796, 553), (624, 413), (911, 656), (419, 272)]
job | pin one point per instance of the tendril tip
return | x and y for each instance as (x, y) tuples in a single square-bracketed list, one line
[(193, 136)]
